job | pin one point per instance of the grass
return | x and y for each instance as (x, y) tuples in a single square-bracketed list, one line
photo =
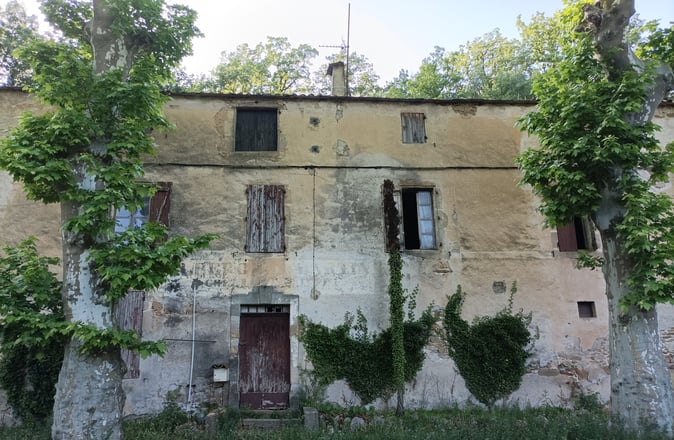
[(471, 423)]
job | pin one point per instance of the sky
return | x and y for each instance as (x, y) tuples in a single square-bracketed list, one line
[(392, 34)]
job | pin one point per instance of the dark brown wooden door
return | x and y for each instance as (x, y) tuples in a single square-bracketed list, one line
[(264, 360)]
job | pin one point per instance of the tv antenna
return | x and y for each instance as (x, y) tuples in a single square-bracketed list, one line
[(345, 47)]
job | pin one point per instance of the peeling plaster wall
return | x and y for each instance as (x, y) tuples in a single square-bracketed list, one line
[(333, 156)]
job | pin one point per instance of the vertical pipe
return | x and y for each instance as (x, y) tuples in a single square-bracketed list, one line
[(348, 37), (194, 324)]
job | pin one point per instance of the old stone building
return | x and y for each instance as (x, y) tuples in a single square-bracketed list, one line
[(293, 186)]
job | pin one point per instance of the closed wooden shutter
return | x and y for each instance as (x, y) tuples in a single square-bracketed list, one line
[(160, 204), (256, 130), (265, 219), (566, 238), (413, 126), (129, 313)]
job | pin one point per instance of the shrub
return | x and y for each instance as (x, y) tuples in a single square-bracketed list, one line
[(490, 353), (363, 359)]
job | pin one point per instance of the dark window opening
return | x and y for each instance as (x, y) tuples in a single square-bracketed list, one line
[(586, 309), (265, 218), (256, 129), (418, 231), (577, 235), (413, 128), (265, 308)]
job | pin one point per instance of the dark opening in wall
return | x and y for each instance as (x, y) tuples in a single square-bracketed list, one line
[(417, 218), (586, 309)]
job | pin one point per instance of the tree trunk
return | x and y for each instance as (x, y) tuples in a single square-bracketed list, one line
[(89, 396), (641, 385)]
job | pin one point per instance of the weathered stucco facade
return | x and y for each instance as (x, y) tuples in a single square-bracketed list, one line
[(331, 158)]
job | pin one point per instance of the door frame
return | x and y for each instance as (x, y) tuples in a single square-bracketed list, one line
[(263, 295)]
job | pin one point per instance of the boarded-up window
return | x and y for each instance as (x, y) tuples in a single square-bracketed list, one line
[(577, 235), (129, 313), (418, 229), (256, 129), (265, 219), (414, 128)]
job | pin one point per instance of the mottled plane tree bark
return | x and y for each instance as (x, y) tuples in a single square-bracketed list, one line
[(598, 158)]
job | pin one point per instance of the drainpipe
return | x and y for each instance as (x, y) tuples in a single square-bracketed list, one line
[(195, 286)]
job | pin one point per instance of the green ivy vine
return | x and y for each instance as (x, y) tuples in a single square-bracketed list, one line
[(32, 351), (362, 358), (490, 353)]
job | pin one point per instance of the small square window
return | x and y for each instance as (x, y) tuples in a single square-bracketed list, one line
[(586, 309), (413, 127), (256, 129)]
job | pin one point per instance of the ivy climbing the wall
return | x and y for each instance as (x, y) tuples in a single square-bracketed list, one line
[(490, 353), (364, 359), (32, 345)]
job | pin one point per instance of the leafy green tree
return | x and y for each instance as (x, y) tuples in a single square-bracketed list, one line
[(16, 29), (102, 82), (431, 82), (30, 301), (362, 78), (598, 158), (271, 68), (489, 67)]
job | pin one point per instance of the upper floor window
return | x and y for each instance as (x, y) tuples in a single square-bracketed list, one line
[(155, 209), (256, 129), (265, 218), (414, 128), (577, 235), (418, 229)]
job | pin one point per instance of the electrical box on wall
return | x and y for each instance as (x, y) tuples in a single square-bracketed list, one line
[(220, 373)]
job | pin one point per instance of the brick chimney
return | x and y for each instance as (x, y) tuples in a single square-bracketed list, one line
[(336, 70)]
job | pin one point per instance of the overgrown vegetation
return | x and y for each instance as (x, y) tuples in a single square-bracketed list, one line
[(361, 358), (490, 353), (30, 302), (472, 423), (396, 294)]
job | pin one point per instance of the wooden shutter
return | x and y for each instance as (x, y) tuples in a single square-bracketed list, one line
[(129, 313), (413, 126), (265, 219), (566, 238), (425, 219), (256, 130), (160, 204)]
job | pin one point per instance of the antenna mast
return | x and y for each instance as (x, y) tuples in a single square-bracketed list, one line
[(348, 35), (345, 47)]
